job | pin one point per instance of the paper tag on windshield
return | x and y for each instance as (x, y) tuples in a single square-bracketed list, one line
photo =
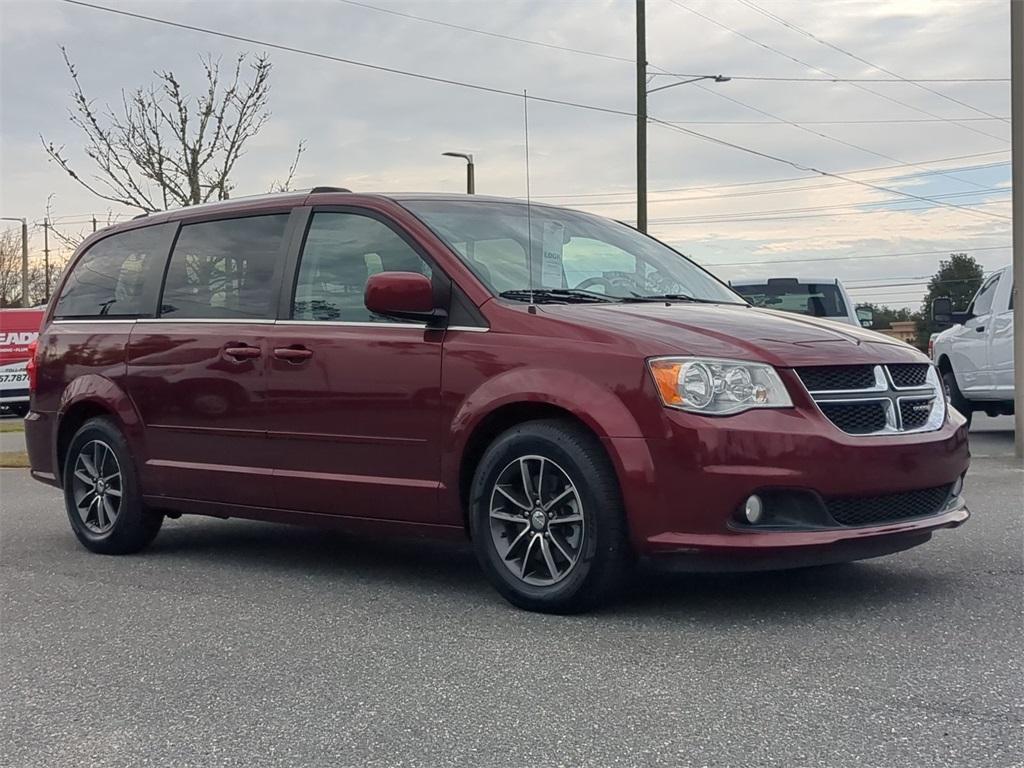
[(551, 266)]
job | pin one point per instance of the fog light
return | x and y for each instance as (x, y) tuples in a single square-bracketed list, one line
[(753, 509), (958, 486)]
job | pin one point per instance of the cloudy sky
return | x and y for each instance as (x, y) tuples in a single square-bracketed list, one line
[(739, 213)]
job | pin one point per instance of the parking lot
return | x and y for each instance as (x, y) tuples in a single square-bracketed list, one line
[(238, 643)]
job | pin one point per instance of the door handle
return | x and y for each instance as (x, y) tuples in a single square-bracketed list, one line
[(242, 353), (979, 328), (293, 354)]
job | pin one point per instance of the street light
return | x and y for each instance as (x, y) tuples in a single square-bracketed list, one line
[(470, 182), (24, 257), (641, 122), (716, 78)]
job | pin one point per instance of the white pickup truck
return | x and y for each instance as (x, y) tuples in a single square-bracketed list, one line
[(975, 356), (815, 296)]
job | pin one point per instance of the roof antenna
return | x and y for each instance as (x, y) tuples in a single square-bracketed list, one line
[(529, 220)]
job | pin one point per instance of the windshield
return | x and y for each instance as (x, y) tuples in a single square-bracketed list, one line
[(815, 299), (573, 253)]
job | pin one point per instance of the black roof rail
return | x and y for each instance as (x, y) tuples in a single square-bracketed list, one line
[(318, 190), (142, 215)]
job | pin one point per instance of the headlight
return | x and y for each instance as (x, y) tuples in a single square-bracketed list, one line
[(717, 387)]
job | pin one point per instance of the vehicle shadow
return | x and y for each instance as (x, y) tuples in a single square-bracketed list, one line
[(334, 558)]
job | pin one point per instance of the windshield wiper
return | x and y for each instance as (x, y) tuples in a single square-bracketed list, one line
[(676, 297), (549, 295)]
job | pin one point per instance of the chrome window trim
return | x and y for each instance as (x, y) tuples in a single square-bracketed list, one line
[(353, 324), (468, 328), (91, 321), (208, 320)]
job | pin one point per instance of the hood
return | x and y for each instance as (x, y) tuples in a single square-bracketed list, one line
[(781, 339)]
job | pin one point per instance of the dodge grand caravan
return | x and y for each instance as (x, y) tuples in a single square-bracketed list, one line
[(567, 392)]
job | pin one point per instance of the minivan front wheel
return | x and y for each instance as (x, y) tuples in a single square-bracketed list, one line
[(547, 520), (101, 492)]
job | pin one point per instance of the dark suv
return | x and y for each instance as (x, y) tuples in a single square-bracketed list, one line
[(566, 391)]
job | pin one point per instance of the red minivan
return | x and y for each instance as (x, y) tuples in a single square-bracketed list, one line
[(567, 392)]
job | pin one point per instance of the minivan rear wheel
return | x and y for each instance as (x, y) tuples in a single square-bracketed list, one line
[(101, 492), (547, 519)]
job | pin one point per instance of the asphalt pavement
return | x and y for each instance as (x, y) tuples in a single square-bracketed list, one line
[(232, 643)]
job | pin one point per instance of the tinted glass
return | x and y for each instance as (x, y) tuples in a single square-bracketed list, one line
[(341, 251), (983, 300), (569, 250), (225, 269), (110, 278), (815, 299)]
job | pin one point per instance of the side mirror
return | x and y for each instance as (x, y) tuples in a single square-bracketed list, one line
[(408, 295), (866, 317), (942, 311)]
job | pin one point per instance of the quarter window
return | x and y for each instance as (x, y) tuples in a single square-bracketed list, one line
[(983, 301), (341, 251), (225, 269), (110, 279)]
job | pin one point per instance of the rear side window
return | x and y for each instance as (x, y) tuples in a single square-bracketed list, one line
[(983, 301), (341, 251), (225, 269), (115, 277)]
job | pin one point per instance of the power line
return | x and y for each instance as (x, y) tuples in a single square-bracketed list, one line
[(503, 92), (858, 257), (807, 209), (777, 118), (788, 190), (856, 80), (826, 72), (351, 62), (801, 167), (916, 83), (818, 133), (753, 218), (476, 31), (789, 180)]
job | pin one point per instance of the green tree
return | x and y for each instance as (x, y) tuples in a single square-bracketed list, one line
[(884, 317), (959, 278)]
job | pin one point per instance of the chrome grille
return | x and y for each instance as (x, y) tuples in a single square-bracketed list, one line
[(877, 399)]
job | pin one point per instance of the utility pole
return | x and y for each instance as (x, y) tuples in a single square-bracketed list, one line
[(46, 259), (24, 257), (641, 116), (1017, 136)]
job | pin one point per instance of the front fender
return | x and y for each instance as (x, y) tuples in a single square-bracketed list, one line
[(596, 406)]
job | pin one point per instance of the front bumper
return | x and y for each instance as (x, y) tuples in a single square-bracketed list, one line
[(683, 490)]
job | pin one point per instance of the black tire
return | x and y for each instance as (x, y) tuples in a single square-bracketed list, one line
[(956, 397), (603, 555), (133, 526)]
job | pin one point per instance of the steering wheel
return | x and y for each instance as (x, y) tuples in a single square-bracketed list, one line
[(608, 285)]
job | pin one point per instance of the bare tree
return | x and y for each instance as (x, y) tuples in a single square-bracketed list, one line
[(163, 148), (10, 268)]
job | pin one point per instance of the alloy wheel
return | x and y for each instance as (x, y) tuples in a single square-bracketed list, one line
[(97, 486), (536, 517)]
